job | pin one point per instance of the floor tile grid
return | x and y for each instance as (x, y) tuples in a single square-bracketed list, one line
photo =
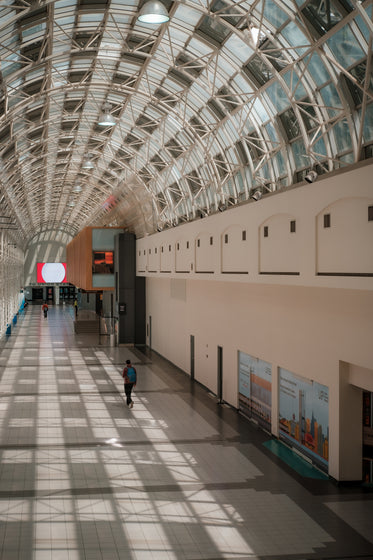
[(105, 511)]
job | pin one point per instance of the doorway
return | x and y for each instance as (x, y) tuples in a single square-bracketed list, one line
[(192, 357), (220, 375), (368, 437), (150, 332)]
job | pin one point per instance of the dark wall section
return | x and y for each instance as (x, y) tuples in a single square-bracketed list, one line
[(140, 305), (129, 292)]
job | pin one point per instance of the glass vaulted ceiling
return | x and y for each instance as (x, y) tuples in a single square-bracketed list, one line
[(226, 97)]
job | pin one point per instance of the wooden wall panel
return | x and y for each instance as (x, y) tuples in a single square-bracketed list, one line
[(79, 260)]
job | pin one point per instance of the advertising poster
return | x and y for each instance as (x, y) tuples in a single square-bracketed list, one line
[(49, 273), (255, 389), (304, 416)]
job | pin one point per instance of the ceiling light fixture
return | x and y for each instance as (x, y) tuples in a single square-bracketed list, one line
[(153, 11), (311, 176), (106, 118), (256, 194), (87, 162)]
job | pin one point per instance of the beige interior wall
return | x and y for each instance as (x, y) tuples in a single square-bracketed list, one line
[(267, 298), (307, 331)]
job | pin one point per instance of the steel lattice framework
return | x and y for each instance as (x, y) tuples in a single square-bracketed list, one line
[(228, 96)]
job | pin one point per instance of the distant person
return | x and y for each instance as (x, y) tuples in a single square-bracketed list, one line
[(76, 307), (130, 378), (44, 308)]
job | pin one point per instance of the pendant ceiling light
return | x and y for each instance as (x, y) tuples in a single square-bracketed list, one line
[(153, 11), (106, 118), (311, 176), (87, 162)]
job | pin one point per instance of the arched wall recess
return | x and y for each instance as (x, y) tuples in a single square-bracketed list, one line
[(277, 232), (235, 255), (342, 231)]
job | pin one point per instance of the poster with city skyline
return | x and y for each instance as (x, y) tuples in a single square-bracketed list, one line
[(304, 416), (255, 389)]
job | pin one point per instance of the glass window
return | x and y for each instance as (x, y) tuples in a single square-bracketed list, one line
[(322, 15), (317, 69), (342, 136), (273, 13), (295, 84), (258, 70), (278, 96), (260, 110), (214, 29), (345, 47), (368, 124), (331, 100), (299, 152), (296, 37), (319, 148)]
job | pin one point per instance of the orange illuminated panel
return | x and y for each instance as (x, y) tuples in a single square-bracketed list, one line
[(103, 262)]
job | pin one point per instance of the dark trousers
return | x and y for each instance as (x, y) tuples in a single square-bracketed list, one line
[(128, 390)]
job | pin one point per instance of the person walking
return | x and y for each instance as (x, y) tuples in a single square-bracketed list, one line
[(130, 378), (45, 309), (76, 307)]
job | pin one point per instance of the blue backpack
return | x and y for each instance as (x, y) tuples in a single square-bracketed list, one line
[(131, 374)]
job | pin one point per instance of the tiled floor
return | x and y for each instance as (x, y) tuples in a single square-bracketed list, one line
[(177, 477)]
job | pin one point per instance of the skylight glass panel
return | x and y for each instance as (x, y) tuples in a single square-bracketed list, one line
[(9, 36), (226, 64), (296, 38), (89, 18), (65, 4), (208, 117), (322, 15), (342, 136), (109, 50), (259, 70), (199, 48), (280, 162), (319, 148), (331, 100), (129, 68), (271, 132), (299, 152), (66, 23), (272, 13), (178, 37), (8, 67), (237, 49), (212, 27), (187, 16), (34, 74), (261, 111), (201, 94), (35, 32), (81, 64), (361, 23), (345, 47), (295, 85), (316, 69), (368, 124), (243, 85), (231, 132), (278, 96)]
